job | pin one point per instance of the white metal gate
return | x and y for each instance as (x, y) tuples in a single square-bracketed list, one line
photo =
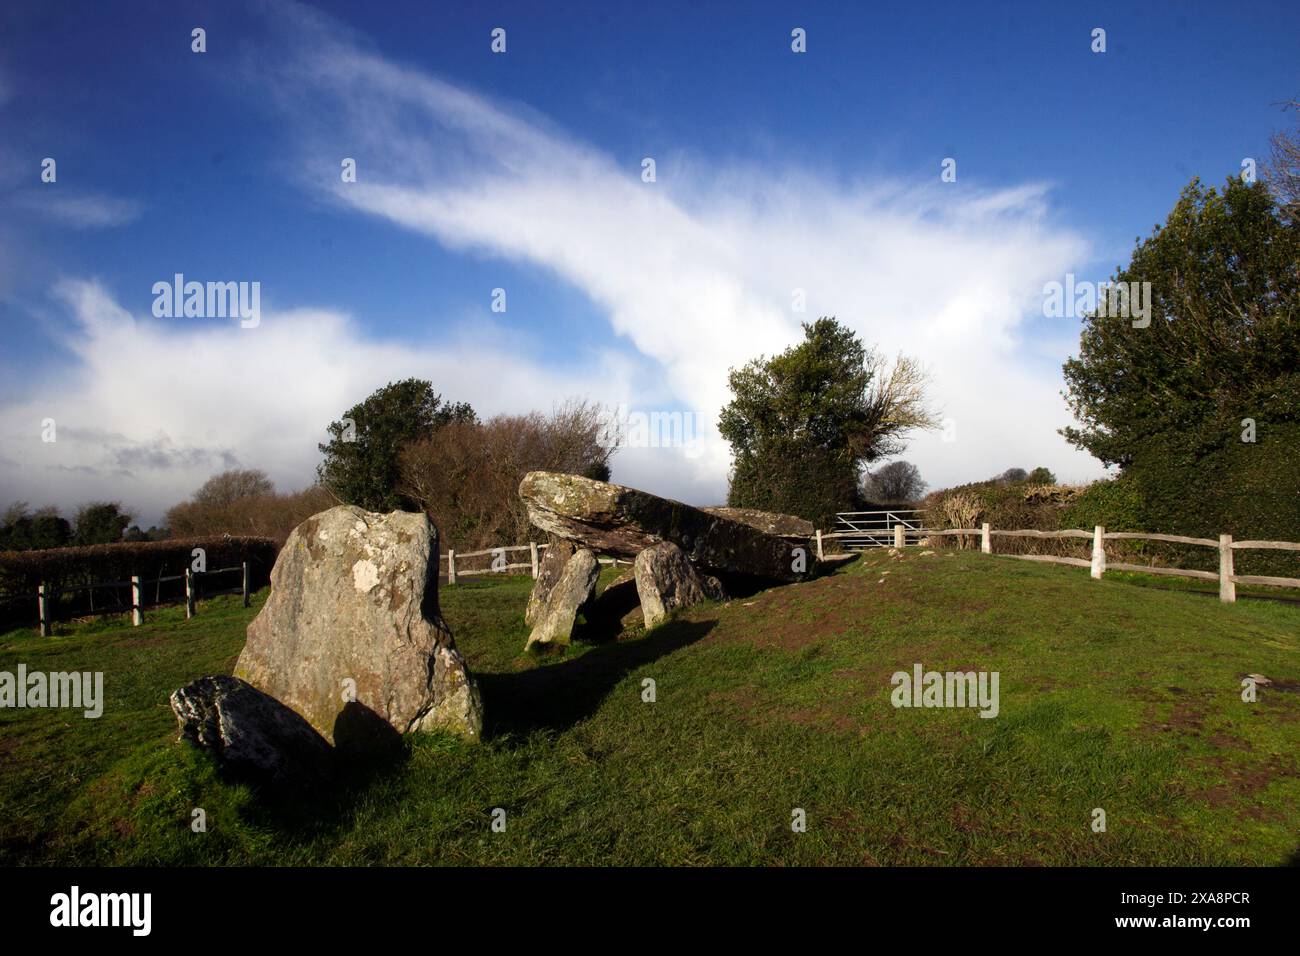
[(859, 530)]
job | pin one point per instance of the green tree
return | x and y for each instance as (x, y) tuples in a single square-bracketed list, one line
[(1223, 342), (100, 522), (803, 423), (362, 457), (22, 530), (1041, 476), (1201, 409)]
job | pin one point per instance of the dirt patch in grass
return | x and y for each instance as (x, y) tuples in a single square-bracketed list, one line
[(1242, 783), (826, 717), (1187, 717), (848, 822)]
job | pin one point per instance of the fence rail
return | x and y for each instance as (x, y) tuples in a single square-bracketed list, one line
[(136, 583), (454, 573), (1226, 575)]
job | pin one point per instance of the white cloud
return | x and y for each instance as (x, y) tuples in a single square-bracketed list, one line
[(150, 408), (697, 272), (80, 210), (694, 273)]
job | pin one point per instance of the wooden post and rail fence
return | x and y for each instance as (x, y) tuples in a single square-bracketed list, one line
[(1098, 565), (500, 564), (862, 530), (136, 583)]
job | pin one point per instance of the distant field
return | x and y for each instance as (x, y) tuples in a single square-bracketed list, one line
[(1113, 695)]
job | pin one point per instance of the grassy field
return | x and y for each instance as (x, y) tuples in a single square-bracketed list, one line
[(1112, 695)]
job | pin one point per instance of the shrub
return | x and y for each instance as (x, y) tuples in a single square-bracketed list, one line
[(1007, 506), (1250, 490), (466, 475), (262, 515), (1114, 503)]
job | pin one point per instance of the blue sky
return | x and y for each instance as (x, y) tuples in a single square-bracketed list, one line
[(775, 171)]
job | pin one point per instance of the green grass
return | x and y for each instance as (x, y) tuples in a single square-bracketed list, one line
[(1114, 696)]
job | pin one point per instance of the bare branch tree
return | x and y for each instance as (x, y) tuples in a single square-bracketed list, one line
[(1283, 167)]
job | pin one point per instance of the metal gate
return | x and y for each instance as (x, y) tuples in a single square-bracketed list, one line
[(859, 530)]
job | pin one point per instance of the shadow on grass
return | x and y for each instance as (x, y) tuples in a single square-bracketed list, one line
[(366, 750), (832, 563), (556, 696), (1280, 597), (553, 696)]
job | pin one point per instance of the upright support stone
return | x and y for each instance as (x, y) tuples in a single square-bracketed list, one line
[(1227, 586), (900, 539), (189, 593), (43, 610), (576, 586), (532, 552), (986, 538), (137, 599), (666, 580), (549, 569), (820, 555), (1098, 551)]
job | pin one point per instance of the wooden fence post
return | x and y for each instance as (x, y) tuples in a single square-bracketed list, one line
[(245, 584), (899, 540), (44, 610), (451, 565), (1098, 551), (189, 593), (820, 555), (986, 538), (137, 599), (1227, 586), (532, 551)]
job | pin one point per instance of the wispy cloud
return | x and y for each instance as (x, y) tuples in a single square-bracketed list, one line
[(693, 274), (699, 270), (79, 210)]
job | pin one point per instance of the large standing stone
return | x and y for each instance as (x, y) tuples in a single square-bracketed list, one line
[(352, 629), (575, 588), (251, 735), (557, 555), (612, 519), (666, 580)]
